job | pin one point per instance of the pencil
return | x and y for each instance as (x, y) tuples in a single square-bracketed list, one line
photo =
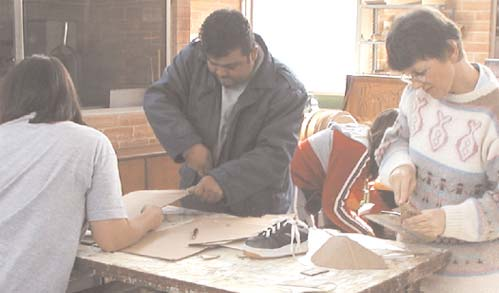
[(194, 233)]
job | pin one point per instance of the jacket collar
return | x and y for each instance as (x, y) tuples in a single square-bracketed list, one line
[(265, 75)]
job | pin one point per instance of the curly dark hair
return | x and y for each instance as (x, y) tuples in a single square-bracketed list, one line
[(421, 34), (39, 84), (225, 30), (384, 120)]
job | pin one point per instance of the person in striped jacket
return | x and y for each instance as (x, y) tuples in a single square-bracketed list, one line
[(332, 168)]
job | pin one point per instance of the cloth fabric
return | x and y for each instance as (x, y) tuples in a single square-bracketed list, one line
[(184, 108), (229, 99), (454, 145), (53, 178), (332, 164)]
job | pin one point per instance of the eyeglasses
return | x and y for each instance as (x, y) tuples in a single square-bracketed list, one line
[(415, 77)]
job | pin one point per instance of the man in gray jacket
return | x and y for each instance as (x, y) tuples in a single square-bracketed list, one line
[(231, 112)]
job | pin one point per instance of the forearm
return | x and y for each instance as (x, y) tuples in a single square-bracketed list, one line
[(461, 221), (476, 219), (254, 171), (116, 234), (393, 151), (165, 105), (171, 127)]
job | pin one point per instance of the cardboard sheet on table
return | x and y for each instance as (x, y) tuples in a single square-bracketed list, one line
[(237, 245), (173, 243), (169, 244), (134, 201), (223, 228)]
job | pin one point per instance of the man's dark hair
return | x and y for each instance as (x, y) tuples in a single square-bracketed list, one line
[(384, 120), (421, 34), (42, 85), (226, 30)]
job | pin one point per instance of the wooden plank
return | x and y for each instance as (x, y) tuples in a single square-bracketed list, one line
[(162, 173), (142, 152), (132, 175)]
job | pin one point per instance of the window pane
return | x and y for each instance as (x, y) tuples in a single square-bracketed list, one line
[(6, 36), (315, 38), (105, 44)]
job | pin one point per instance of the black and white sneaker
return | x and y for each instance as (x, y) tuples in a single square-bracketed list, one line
[(287, 237)]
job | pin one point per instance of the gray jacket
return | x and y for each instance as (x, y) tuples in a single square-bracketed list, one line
[(183, 108)]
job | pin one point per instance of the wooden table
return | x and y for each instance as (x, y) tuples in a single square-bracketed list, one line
[(231, 272)]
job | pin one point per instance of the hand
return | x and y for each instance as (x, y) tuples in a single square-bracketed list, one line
[(198, 158), (207, 189), (154, 216), (430, 223), (403, 183)]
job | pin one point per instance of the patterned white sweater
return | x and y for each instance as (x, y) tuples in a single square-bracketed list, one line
[(454, 145)]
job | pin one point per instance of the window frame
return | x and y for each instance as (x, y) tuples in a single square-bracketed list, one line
[(19, 48)]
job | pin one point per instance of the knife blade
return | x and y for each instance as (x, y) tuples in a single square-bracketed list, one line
[(391, 221)]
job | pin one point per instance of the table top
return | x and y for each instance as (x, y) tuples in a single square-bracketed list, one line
[(230, 271)]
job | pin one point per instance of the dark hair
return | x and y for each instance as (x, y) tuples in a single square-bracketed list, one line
[(384, 120), (226, 30), (421, 34), (39, 84)]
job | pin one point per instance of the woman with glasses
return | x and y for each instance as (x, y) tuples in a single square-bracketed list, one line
[(56, 174), (448, 129)]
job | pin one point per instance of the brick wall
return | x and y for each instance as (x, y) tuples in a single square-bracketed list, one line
[(189, 15), (475, 17), (123, 45), (181, 25), (125, 128), (200, 9)]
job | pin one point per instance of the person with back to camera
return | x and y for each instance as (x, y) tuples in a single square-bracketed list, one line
[(231, 113), (56, 175), (442, 154)]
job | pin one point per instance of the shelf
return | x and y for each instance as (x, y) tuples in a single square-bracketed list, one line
[(376, 30)]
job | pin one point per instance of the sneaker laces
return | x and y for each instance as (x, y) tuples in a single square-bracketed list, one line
[(273, 228), (295, 231), (295, 223)]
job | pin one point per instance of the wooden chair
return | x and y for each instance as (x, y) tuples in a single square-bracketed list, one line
[(368, 95)]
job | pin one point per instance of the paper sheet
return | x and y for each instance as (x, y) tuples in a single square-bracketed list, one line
[(169, 244), (136, 200), (173, 243), (227, 228)]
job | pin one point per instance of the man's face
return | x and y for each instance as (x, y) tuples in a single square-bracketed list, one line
[(434, 76), (233, 68)]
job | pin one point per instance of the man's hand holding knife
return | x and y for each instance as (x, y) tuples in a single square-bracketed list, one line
[(198, 158), (207, 189)]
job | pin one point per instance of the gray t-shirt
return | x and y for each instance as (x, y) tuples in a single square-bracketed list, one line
[(53, 178), (230, 96)]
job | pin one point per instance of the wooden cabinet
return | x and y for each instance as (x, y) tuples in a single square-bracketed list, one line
[(147, 168), (132, 174)]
